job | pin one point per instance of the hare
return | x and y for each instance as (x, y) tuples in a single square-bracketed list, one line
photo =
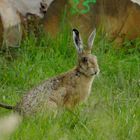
[(67, 89)]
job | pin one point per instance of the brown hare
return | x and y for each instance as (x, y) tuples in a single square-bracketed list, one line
[(65, 90)]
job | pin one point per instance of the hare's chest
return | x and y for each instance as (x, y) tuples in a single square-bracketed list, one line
[(81, 92), (84, 90)]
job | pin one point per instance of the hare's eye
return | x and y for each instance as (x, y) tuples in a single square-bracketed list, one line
[(84, 59)]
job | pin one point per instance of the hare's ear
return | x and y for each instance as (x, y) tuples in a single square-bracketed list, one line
[(77, 40), (91, 39)]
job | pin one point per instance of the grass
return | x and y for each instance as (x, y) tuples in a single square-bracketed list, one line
[(112, 111)]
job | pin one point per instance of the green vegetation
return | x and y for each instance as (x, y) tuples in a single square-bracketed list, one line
[(112, 111)]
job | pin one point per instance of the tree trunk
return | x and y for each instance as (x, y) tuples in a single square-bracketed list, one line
[(119, 19)]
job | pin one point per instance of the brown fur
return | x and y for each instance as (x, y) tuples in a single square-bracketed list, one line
[(65, 90)]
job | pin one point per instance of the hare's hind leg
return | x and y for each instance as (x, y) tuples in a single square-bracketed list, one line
[(56, 100)]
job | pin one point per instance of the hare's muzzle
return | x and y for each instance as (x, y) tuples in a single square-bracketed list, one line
[(96, 72)]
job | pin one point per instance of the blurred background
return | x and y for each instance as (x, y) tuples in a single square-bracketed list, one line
[(118, 19)]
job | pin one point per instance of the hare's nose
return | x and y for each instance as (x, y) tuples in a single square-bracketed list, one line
[(95, 72)]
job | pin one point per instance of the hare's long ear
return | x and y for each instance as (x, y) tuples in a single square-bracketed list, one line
[(91, 39), (77, 40)]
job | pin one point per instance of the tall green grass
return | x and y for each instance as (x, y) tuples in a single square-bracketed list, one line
[(112, 111)]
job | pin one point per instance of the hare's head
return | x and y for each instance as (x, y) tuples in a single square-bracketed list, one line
[(87, 63)]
